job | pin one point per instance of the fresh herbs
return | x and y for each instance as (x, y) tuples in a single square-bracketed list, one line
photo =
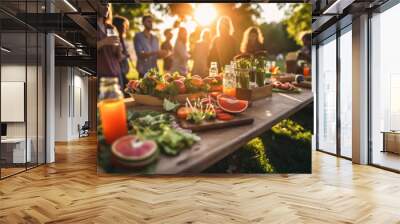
[(200, 110), (243, 63), (161, 128), (169, 105)]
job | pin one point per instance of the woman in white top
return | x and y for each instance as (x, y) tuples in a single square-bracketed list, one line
[(180, 55), (200, 53)]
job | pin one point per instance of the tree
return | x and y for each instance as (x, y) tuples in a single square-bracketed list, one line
[(277, 39), (181, 10), (134, 12), (298, 19)]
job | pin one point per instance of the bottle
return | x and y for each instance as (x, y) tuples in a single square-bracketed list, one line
[(229, 81), (112, 110), (213, 69)]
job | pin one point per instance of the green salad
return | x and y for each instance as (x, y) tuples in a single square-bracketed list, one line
[(162, 128)]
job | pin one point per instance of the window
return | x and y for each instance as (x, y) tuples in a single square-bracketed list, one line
[(327, 96), (385, 87), (22, 78), (345, 92)]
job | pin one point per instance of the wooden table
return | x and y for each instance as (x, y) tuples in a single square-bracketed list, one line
[(391, 141), (217, 144)]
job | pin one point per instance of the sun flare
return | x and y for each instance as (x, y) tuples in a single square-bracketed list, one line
[(204, 14)]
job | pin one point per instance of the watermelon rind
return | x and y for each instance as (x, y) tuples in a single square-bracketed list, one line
[(133, 164), (127, 159), (228, 110)]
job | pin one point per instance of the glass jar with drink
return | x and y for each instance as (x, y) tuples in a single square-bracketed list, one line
[(306, 70), (213, 71), (243, 75), (112, 109), (229, 81)]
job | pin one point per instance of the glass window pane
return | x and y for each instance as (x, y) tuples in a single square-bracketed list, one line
[(13, 86), (31, 98), (385, 114), (346, 94), (41, 99), (327, 96)]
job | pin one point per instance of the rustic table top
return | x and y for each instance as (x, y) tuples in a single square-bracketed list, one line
[(217, 144)]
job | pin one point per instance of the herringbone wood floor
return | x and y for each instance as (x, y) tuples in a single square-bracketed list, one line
[(70, 191)]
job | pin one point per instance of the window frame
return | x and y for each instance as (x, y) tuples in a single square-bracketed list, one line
[(338, 29)]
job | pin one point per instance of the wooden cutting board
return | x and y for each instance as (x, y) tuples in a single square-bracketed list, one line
[(216, 124)]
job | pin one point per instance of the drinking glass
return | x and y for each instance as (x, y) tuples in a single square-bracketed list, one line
[(111, 32), (306, 70), (229, 81)]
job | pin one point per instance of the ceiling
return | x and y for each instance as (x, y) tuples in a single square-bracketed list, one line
[(329, 14), (74, 22)]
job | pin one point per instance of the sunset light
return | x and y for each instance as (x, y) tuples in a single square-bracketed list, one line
[(205, 14)]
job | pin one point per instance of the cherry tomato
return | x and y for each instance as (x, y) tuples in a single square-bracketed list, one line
[(183, 112), (224, 116), (215, 94)]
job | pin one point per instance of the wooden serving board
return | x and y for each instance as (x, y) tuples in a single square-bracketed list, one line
[(305, 84), (216, 124), (148, 100), (295, 91)]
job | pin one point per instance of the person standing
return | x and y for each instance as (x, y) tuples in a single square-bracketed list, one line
[(201, 48), (252, 41), (147, 47), (108, 46), (224, 46), (167, 46), (181, 55), (122, 25), (305, 51)]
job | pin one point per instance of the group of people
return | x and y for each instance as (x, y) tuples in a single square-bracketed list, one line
[(112, 54), (222, 48)]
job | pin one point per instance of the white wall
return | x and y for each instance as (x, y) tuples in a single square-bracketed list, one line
[(71, 102), (61, 103), (12, 73), (33, 127), (15, 73)]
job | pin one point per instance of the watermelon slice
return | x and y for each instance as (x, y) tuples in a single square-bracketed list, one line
[(132, 152), (231, 104)]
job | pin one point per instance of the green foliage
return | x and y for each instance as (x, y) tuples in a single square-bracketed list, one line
[(257, 148), (289, 147), (134, 12), (292, 130), (244, 63), (299, 20), (251, 158), (276, 38), (286, 148)]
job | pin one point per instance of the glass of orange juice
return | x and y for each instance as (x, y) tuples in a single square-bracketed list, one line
[(229, 81), (306, 70), (112, 110)]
